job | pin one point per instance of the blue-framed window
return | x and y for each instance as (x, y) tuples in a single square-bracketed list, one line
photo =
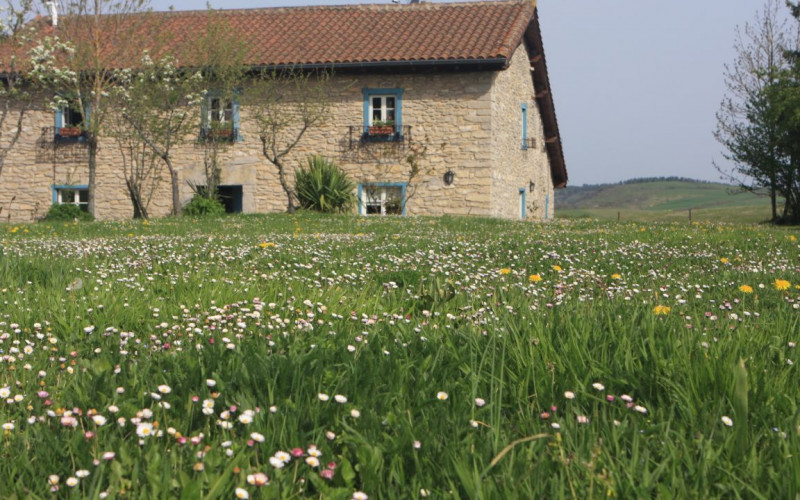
[(69, 122), (522, 203), (220, 118), (383, 111), (72, 194), (524, 110), (382, 198)]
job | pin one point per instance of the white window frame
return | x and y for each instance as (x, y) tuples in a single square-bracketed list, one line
[(68, 111), (377, 195), (76, 196), (384, 108), (222, 114)]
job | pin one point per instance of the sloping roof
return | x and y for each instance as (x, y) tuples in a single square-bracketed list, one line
[(368, 33), (382, 35)]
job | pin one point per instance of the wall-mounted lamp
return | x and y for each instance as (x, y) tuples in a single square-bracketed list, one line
[(531, 186), (448, 177)]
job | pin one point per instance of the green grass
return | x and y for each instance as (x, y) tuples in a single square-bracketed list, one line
[(587, 390), (664, 201)]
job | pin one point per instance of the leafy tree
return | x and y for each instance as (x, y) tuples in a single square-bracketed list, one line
[(743, 126), (16, 94), (782, 98), (80, 60)]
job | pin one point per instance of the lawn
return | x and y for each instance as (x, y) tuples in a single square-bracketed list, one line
[(345, 357)]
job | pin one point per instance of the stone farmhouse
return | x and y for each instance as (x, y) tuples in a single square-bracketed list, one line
[(465, 82)]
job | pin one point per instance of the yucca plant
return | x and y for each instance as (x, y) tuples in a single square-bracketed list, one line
[(323, 186)]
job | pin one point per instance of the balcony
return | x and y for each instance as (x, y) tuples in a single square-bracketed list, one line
[(69, 135), (62, 145), (360, 136), (219, 134)]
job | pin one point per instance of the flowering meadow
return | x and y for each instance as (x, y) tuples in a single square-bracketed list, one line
[(345, 357)]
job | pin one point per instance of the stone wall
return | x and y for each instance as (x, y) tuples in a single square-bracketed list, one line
[(514, 168), (468, 122)]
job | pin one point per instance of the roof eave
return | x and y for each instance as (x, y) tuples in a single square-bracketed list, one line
[(497, 62), (544, 101)]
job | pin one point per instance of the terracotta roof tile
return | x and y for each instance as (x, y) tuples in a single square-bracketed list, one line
[(353, 33)]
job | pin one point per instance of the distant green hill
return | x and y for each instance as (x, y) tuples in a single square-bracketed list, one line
[(662, 199)]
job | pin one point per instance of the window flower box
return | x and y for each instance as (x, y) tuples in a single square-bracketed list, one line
[(70, 132), (219, 133), (381, 130)]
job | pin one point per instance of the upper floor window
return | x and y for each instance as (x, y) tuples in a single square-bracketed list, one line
[(220, 118), (71, 117), (383, 114), (69, 123), (220, 111), (382, 109)]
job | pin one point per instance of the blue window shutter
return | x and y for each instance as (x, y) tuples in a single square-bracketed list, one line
[(524, 108), (235, 106), (366, 109), (86, 116), (59, 119), (360, 200), (522, 203), (398, 125), (204, 113)]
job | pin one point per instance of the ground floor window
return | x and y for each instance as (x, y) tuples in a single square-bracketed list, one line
[(382, 198), (75, 195)]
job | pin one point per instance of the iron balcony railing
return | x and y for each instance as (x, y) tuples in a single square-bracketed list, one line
[(222, 134), (362, 136)]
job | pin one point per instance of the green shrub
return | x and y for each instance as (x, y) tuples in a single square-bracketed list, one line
[(67, 212), (324, 187), (202, 206)]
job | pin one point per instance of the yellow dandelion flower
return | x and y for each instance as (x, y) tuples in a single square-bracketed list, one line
[(557, 269), (505, 270), (746, 289), (781, 285), (266, 244), (724, 260), (657, 310), (534, 278), (616, 276)]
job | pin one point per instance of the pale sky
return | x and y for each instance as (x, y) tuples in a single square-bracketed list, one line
[(636, 83)]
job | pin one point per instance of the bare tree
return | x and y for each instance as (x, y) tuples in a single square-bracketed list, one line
[(284, 104), (157, 105), (743, 128)]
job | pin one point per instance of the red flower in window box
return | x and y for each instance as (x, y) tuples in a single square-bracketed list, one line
[(381, 128), (70, 131)]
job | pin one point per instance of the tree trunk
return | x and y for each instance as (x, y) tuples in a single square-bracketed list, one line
[(286, 189), (139, 209), (773, 198), (92, 174), (176, 198)]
